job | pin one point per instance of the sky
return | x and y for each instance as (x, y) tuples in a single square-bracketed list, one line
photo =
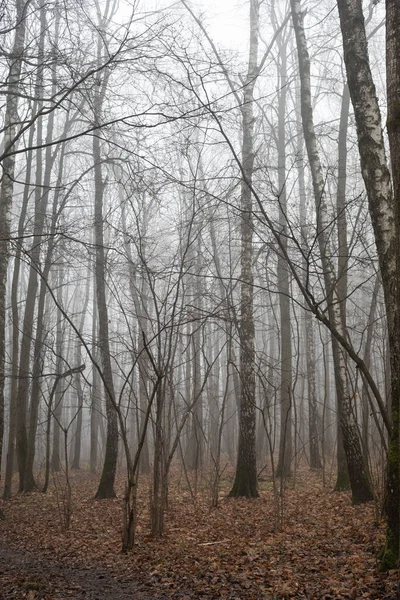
[(228, 21)]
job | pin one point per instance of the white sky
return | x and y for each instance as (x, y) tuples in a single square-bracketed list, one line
[(228, 21)]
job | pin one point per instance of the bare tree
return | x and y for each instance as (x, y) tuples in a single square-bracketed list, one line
[(360, 485), (382, 205), (393, 126), (245, 483), (7, 180), (283, 271)]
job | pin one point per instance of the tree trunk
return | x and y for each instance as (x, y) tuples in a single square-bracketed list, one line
[(391, 555), (29, 481), (383, 207), (106, 485), (15, 287), (41, 199), (11, 120), (213, 357), (285, 443), (59, 390), (75, 463), (343, 478), (359, 477), (95, 392), (313, 434), (196, 442), (365, 395), (245, 483)]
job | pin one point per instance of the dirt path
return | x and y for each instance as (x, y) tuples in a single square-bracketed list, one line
[(25, 574)]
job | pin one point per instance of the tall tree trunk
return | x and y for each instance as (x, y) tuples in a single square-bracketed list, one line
[(383, 207), (313, 434), (213, 357), (365, 395), (106, 485), (393, 127), (359, 477), (75, 463), (285, 443), (95, 393), (10, 123), (41, 198), (343, 478), (29, 482), (245, 483), (196, 442), (15, 288), (60, 389)]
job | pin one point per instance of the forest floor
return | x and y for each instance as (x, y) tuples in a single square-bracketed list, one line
[(316, 546)]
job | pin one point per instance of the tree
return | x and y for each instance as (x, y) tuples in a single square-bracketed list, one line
[(7, 180), (382, 207), (283, 272), (106, 485), (391, 555), (360, 485), (245, 483)]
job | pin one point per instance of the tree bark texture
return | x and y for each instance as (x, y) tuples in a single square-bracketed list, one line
[(106, 485), (382, 208), (342, 479), (7, 183), (313, 435), (285, 442), (245, 483), (41, 196), (359, 477), (392, 552)]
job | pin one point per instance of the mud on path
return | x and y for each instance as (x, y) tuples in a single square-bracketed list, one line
[(25, 574)]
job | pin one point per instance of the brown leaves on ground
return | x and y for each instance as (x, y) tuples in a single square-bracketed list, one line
[(325, 548)]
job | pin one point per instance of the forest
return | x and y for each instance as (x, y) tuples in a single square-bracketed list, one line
[(199, 299)]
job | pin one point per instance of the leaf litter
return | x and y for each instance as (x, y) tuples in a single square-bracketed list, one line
[(325, 548)]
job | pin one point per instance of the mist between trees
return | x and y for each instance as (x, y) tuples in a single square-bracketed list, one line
[(198, 260)]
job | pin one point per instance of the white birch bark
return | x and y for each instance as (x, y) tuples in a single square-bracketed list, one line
[(383, 203), (361, 491)]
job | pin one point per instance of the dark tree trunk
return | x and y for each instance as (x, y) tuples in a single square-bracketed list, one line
[(29, 481), (106, 485), (11, 119), (60, 388), (15, 288), (285, 443), (95, 392), (391, 555), (75, 463), (41, 199), (245, 483)]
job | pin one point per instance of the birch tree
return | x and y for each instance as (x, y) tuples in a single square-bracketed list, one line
[(360, 485), (382, 205)]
